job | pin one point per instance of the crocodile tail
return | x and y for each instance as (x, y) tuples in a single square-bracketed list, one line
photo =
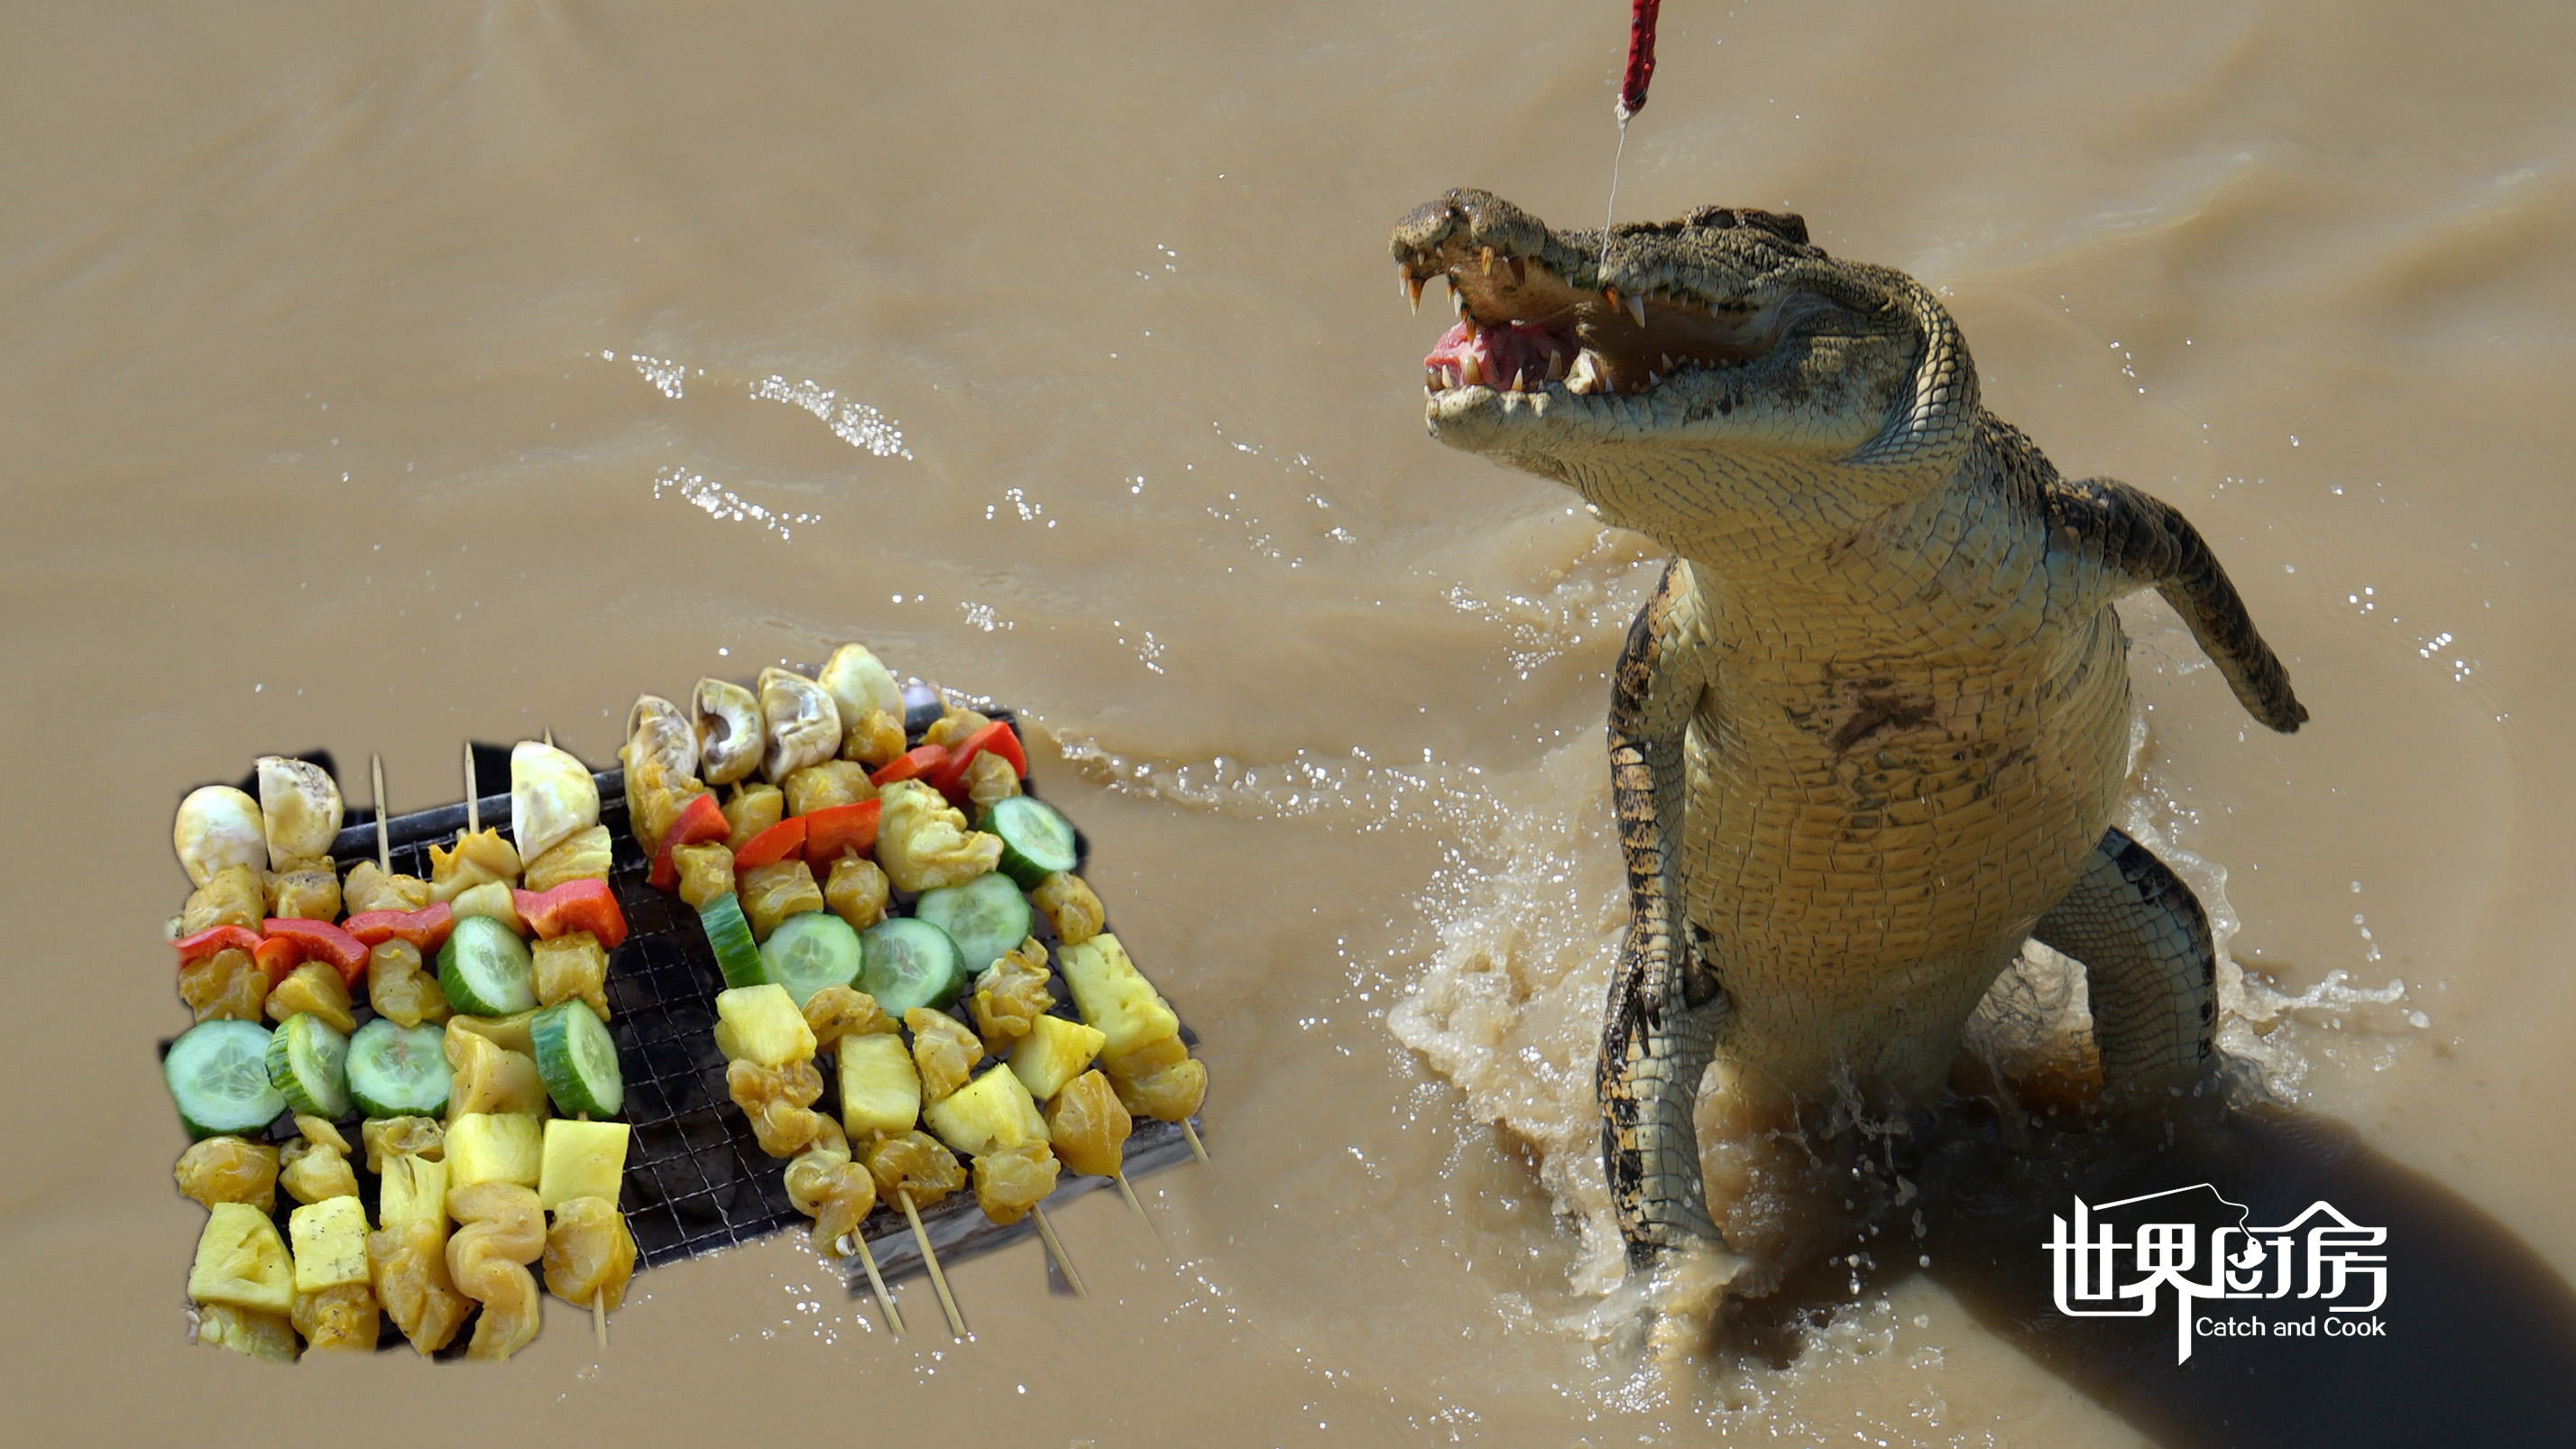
[(2148, 541)]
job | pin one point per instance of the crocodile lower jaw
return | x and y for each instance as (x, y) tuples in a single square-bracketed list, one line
[(1522, 328)]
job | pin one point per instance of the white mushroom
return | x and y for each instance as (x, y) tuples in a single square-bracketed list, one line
[(804, 724), (858, 683), (729, 733), (219, 827), (659, 730), (552, 796), (300, 806)]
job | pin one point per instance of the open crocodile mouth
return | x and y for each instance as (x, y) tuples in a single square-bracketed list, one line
[(1522, 328)]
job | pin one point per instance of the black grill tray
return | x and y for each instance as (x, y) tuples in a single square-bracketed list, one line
[(696, 1179)]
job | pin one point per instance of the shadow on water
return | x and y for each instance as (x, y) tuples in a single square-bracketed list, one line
[(2479, 1339)]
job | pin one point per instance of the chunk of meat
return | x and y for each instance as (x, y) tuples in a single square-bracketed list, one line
[(504, 1231), (917, 1164), (589, 1253), (317, 988), (858, 891), (342, 1318), (836, 1192), (779, 1102), (400, 987), (388, 1137), (227, 986), (1011, 995), (408, 1263), (230, 1169), (572, 965), (316, 1164), (1011, 1180), (838, 1011), (1069, 905), (943, 1050), (1089, 1126)]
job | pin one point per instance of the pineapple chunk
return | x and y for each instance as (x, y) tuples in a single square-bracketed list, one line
[(330, 1244), (493, 1147), (995, 1110), (582, 1159), (414, 1191), (1053, 1053), (258, 1335), (242, 1262), (880, 1087), (1114, 997), (762, 1024)]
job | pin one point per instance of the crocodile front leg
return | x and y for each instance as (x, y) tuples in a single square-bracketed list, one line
[(1666, 1005)]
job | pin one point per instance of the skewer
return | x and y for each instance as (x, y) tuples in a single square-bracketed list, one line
[(930, 1260), (1197, 1147), (384, 833), (473, 802), (1128, 1192), (876, 1281), (1055, 1245)]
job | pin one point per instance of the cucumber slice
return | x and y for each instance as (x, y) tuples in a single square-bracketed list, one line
[(809, 952), (730, 934), (909, 963), (1036, 841), (396, 1071), (486, 970), (307, 1062), (218, 1076), (577, 1060), (986, 917)]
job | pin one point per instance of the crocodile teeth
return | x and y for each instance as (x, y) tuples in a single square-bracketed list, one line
[(1668, 362), (1611, 296), (1520, 380), (1469, 371), (1556, 366), (1413, 291), (1485, 261), (1637, 309), (1586, 377)]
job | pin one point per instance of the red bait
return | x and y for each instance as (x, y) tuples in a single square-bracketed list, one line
[(1641, 58)]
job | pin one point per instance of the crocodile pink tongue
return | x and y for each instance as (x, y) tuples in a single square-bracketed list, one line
[(1494, 355)]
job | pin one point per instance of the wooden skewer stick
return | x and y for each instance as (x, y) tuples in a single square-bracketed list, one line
[(384, 833), (1128, 1191), (1055, 1245), (1197, 1147), (599, 1298), (876, 1280), (930, 1260), (473, 802)]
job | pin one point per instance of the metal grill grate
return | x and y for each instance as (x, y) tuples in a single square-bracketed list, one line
[(696, 1179)]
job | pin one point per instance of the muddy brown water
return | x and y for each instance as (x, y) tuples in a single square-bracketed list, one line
[(374, 380)]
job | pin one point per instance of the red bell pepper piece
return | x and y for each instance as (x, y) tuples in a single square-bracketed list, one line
[(840, 830), (912, 764), (576, 905), (770, 846), (702, 821), (426, 928), (950, 778), (346, 953), (207, 942), (278, 955)]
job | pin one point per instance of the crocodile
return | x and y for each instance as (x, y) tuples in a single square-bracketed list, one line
[(1867, 734)]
